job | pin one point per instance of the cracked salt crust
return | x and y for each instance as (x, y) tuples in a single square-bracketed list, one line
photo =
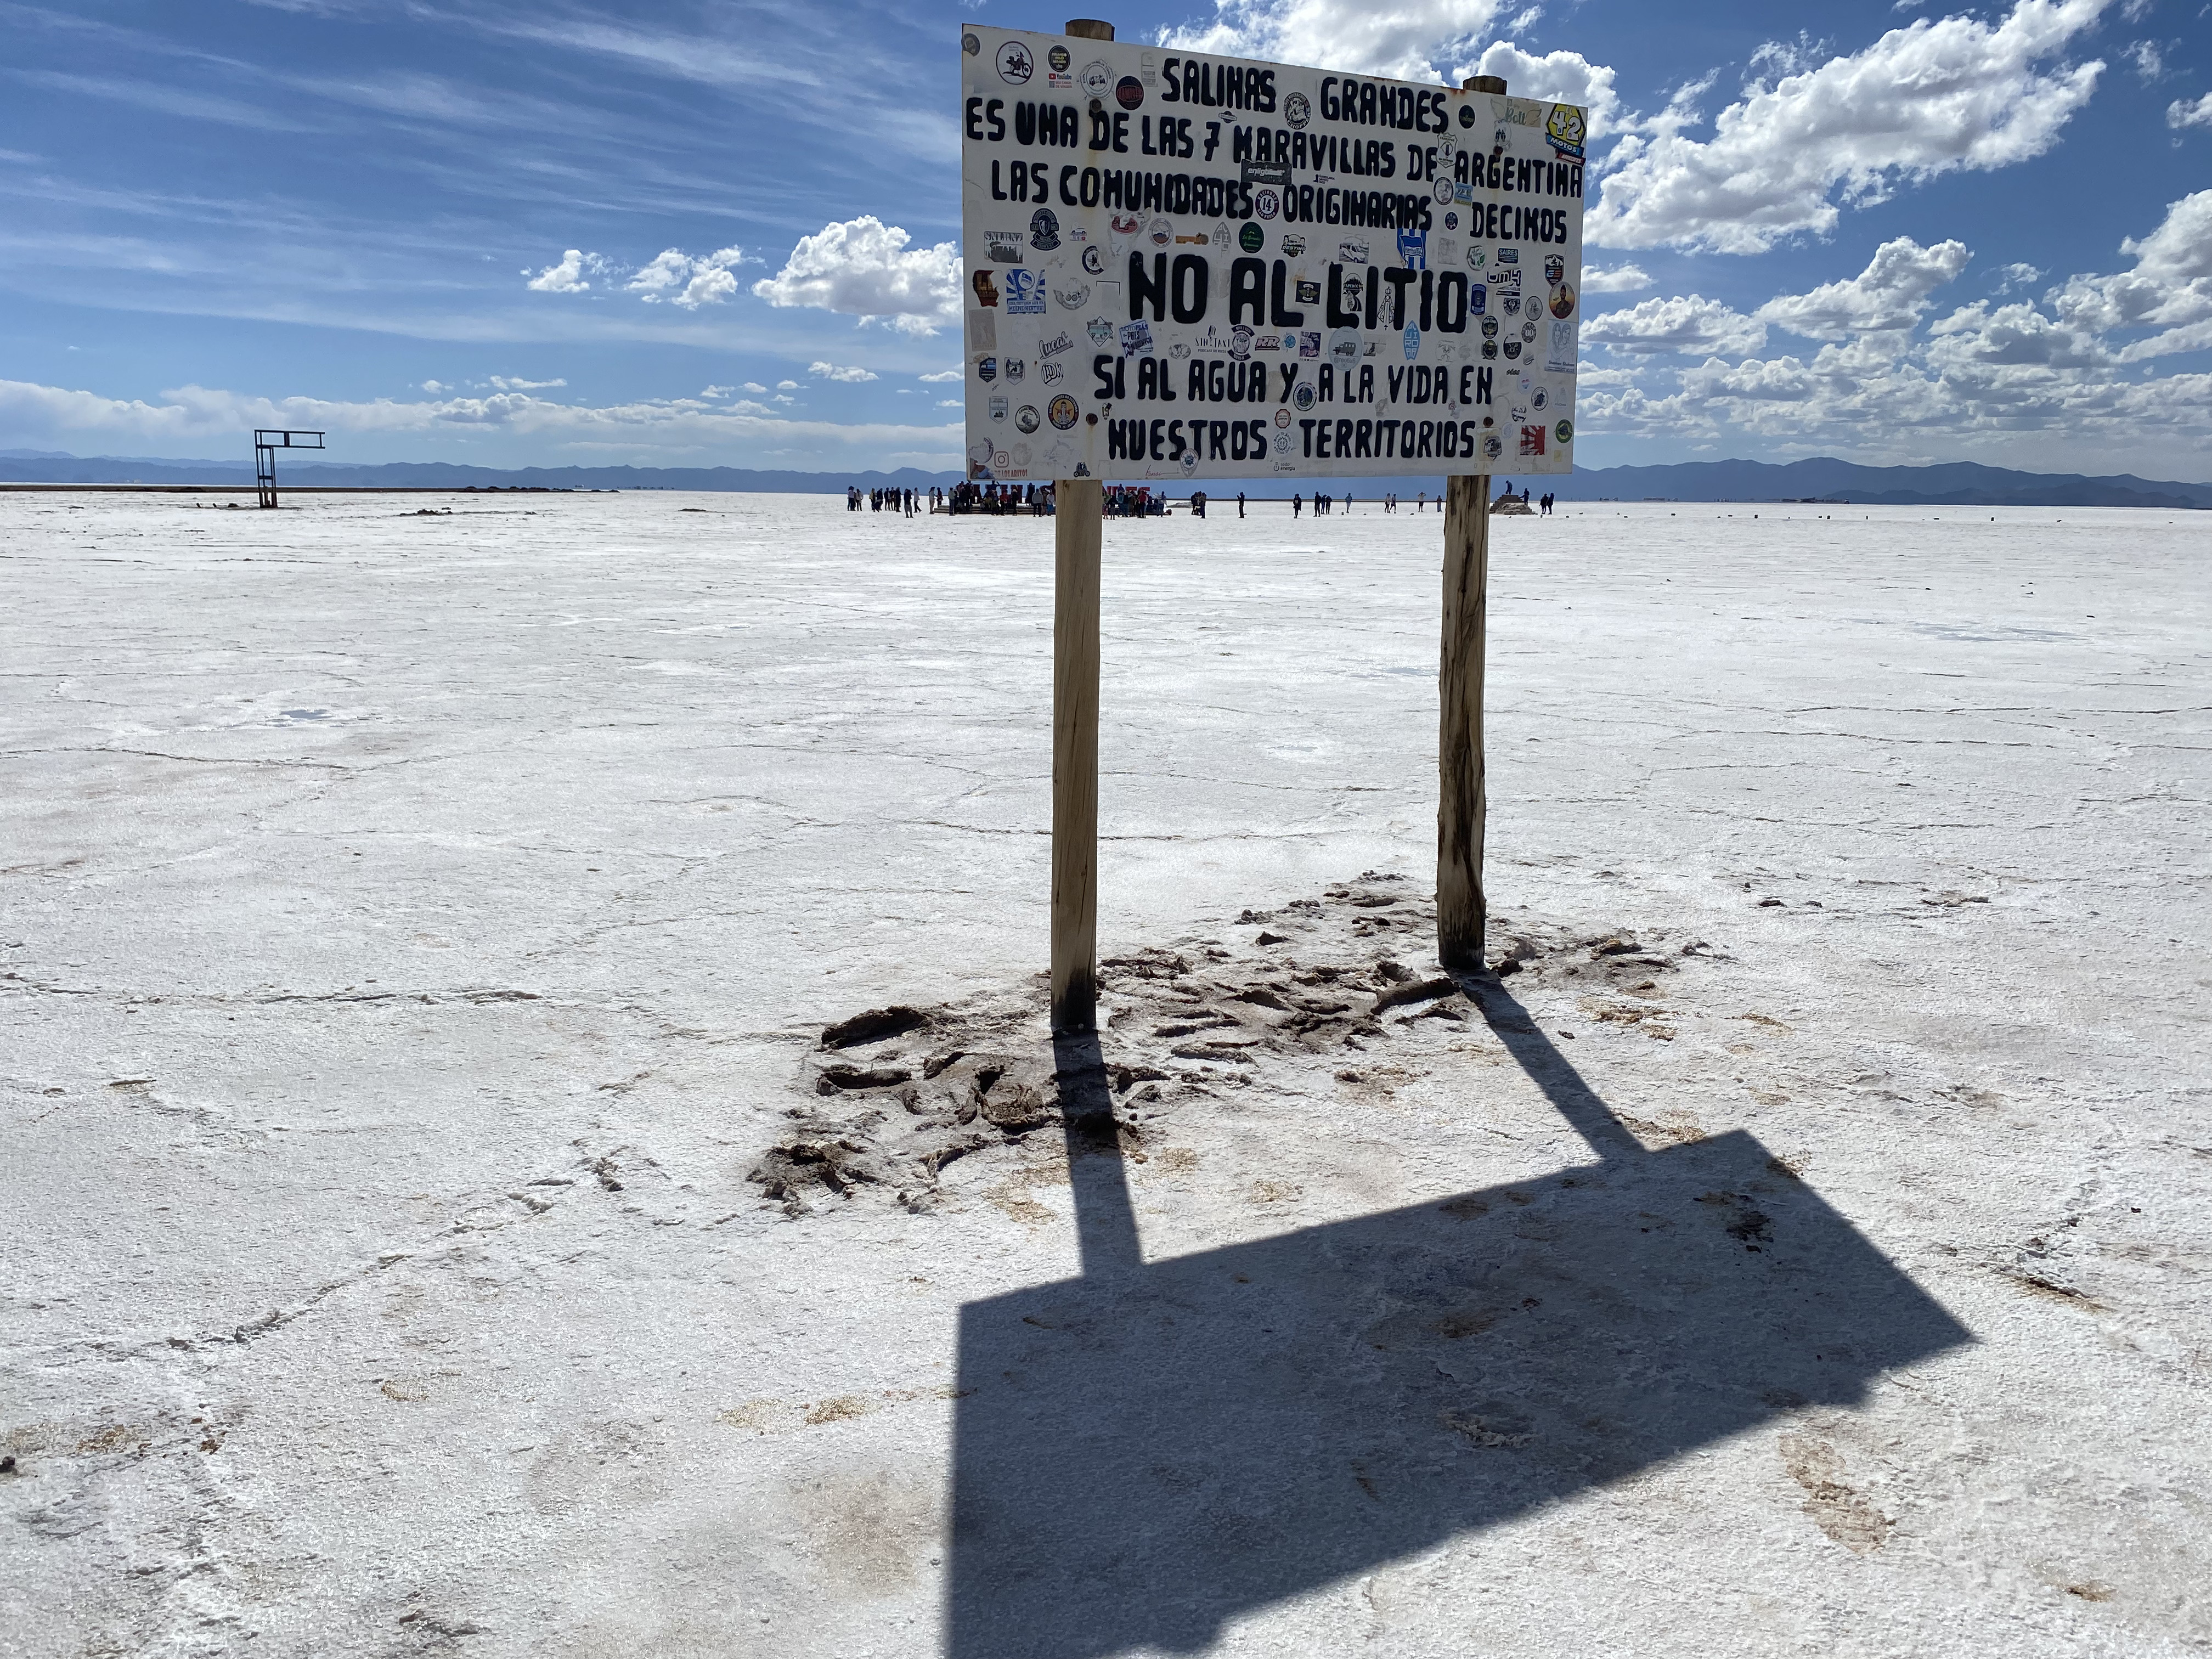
[(382, 1087)]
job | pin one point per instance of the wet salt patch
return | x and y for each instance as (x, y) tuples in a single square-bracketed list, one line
[(297, 715), (1987, 633), (1942, 631), (245, 713)]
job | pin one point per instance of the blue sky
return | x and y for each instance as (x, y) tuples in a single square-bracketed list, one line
[(1895, 234)]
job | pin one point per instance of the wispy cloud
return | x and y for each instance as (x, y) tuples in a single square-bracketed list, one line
[(1626, 277), (167, 99), (775, 53), (194, 414)]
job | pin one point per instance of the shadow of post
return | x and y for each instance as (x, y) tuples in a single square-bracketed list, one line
[(1147, 1451), (1550, 1070), (1105, 1219)]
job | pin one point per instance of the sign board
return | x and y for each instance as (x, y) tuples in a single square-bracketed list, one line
[(1179, 266)]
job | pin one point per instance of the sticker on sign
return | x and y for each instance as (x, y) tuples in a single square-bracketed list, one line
[(1216, 220)]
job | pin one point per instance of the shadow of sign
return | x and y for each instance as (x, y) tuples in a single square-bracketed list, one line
[(1151, 1449)]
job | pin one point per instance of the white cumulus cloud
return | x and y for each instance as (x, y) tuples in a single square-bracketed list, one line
[(1889, 294), (1410, 40), (1562, 77), (1688, 325), (851, 376), (682, 280), (1921, 101), (569, 276), (2067, 381), (941, 376), (867, 269), (509, 383), (2170, 286), (672, 275), (2182, 113), (1981, 337)]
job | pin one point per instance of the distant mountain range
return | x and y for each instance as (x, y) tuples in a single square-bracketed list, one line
[(46, 466), (1954, 484), (1950, 483)]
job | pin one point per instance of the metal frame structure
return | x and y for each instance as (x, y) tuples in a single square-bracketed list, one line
[(267, 440)]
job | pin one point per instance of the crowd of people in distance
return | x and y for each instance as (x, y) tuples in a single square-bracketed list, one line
[(1119, 501), (994, 498), (961, 498), (1125, 501), (906, 501)]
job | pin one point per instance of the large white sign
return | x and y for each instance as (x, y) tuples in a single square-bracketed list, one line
[(1189, 267)]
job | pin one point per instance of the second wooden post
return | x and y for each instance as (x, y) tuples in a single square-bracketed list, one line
[(1461, 803), (1077, 527)]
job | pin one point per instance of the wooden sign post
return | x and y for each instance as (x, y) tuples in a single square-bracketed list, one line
[(1078, 514), (1462, 801)]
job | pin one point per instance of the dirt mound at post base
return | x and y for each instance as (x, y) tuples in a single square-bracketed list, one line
[(892, 1096)]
